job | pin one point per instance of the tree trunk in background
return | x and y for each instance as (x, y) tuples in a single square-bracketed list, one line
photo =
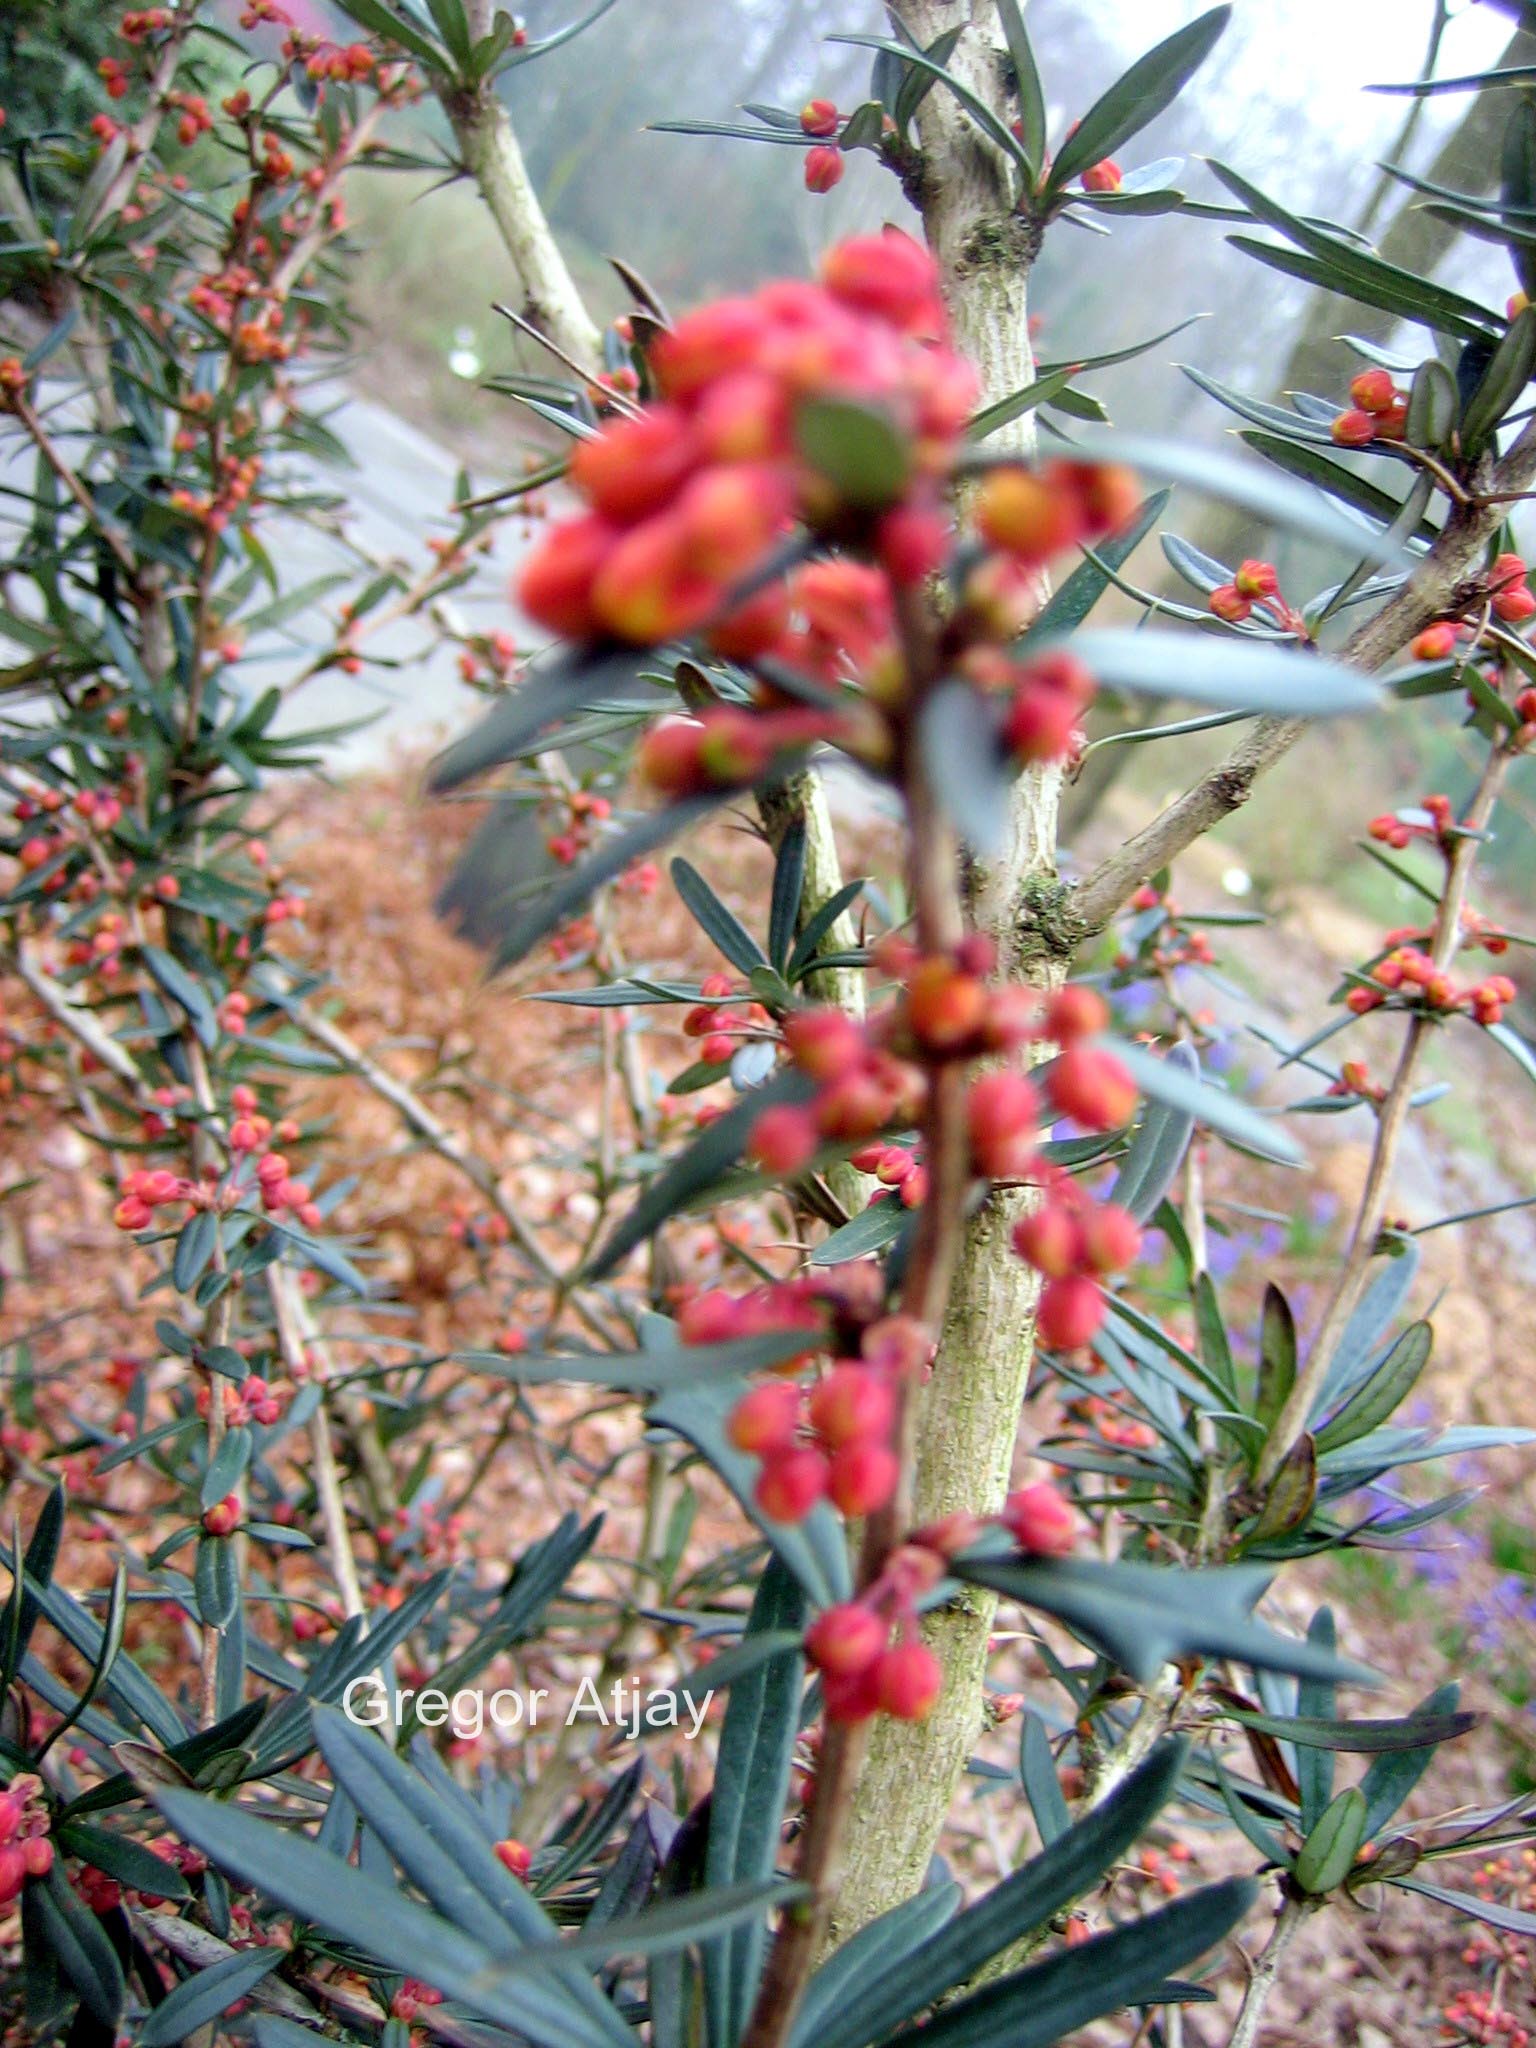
[(970, 1415)]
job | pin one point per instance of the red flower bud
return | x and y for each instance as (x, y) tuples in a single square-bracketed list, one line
[(1090, 1086), (1229, 603), (790, 1484), (1102, 177), (1113, 1238), (853, 1404), (1354, 428), (863, 1477), (823, 167), (765, 1419), (820, 117), (1052, 1240), (1041, 1521), (1075, 1012), (1257, 579), (908, 1680), (1374, 391), (783, 1140), (846, 1639), (1071, 1310)]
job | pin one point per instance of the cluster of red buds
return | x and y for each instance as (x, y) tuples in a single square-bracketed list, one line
[(1256, 585), (1354, 1080), (833, 1441), (1438, 825), (1413, 977), (25, 1850), (139, 23), (347, 63), (691, 494), (147, 1189), (898, 1169), (1075, 1242), (583, 809), (412, 1998), (193, 116), (863, 1672), (1377, 411), (719, 1029)]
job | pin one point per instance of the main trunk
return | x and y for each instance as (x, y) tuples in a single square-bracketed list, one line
[(970, 1417)]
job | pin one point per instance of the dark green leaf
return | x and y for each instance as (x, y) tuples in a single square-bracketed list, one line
[(650, 1369), (557, 689), (870, 1231), (1514, 361), (858, 449), (1032, 128), (1143, 1616), (76, 1937), (788, 889), (1157, 1150), (1152, 83), (201, 1999), (1129, 1966), (1042, 1787), (746, 1809), (1068, 1867), (1379, 1397), (720, 925), (1328, 1854), (1067, 607)]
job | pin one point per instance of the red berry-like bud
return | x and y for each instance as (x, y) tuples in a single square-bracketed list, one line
[(824, 167), (1027, 514), (790, 1484), (1113, 1238), (1102, 177), (819, 117), (1071, 1310), (1052, 1240), (1373, 391), (863, 1477), (223, 1516), (1075, 1012), (784, 1139), (853, 1404), (1257, 579), (824, 1043), (908, 1680), (1435, 642), (764, 1421), (514, 1855), (897, 1344), (846, 1640), (1002, 1112), (636, 465), (1041, 1521), (1354, 428), (1091, 1087), (945, 1009), (554, 585), (1229, 603)]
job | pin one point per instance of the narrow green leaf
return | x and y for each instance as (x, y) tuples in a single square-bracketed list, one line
[(1151, 84), (720, 925), (1328, 1854), (746, 1810), (201, 1999)]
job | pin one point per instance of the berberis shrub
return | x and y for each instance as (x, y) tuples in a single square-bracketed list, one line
[(804, 522)]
